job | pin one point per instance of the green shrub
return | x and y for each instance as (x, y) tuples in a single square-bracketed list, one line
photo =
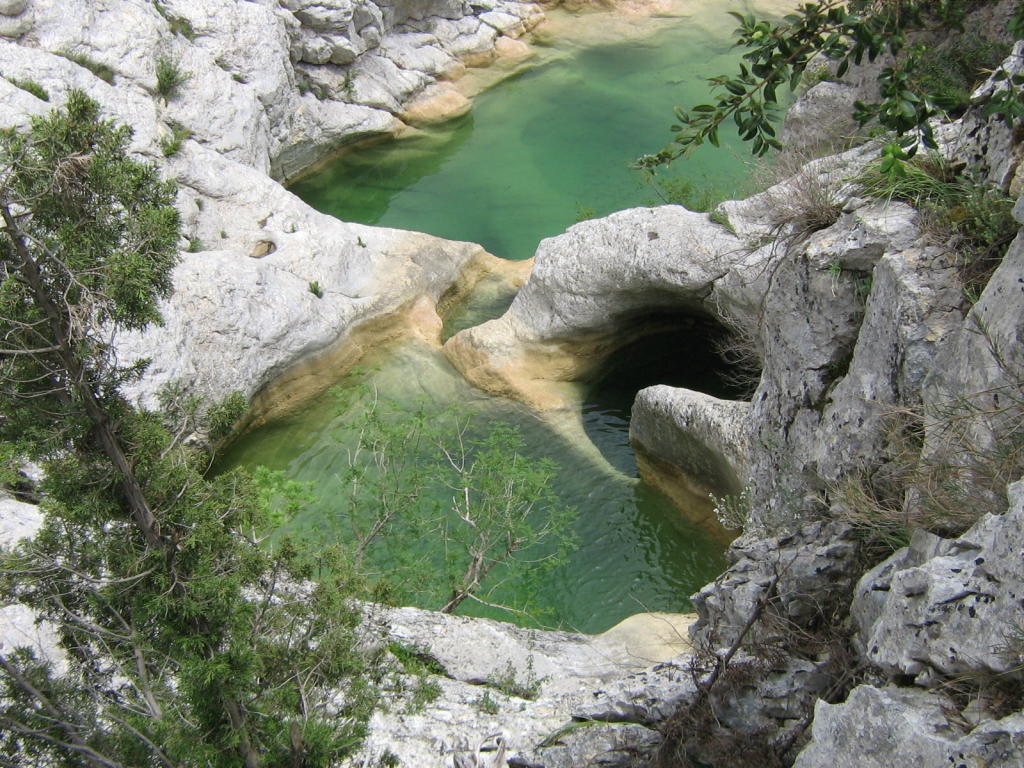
[(949, 74), (487, 705), (415, 661), (168, 76), (584, 213), (102, 71), (315, 289), (510, 683), (179, 24), (171, 145), (195, 245), (222, 416), (680, 191), (32, 87), (974, 220)]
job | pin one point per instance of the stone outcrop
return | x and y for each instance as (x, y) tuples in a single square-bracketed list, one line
[(535, 691), (704, 436), (269, 88), (883, 727), (845, 319), (590, 291), (262, 321), (812, 572), (947, 608)]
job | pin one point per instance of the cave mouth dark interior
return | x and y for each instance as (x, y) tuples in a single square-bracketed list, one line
[(680, 350)]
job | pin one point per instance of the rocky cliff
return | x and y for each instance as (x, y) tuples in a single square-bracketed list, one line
[(889, 398), (266, 89)]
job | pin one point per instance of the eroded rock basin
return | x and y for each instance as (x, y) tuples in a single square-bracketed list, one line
[(636, 551), (492, 177)]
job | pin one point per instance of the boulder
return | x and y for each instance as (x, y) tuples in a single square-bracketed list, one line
[(884, 727), (590, 291), (703, 436), (816, 569), (941, 608)]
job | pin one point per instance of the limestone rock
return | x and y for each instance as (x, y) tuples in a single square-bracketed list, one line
[(608, 745), (587, 289), (436, 104), (945, 608), (702, 435), (912, 310), (478, 651), (568, 677), (13, 27), (984, 362), (259, 316), (18, 520), (884, 727), (815, 565), (12, 7)]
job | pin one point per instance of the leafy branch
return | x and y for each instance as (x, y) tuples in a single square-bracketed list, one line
[(846, 32)]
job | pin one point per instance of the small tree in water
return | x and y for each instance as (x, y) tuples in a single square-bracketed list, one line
[(452, 516)]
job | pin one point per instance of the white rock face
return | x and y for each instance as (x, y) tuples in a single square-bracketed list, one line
[(245, 97), (246, 115), (704, 436), (256, 309), (18, 520), (592, 289), (18, 623), (945, 608), (561, 676), (884, 727)]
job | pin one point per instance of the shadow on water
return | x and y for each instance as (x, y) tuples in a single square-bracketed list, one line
[(362, 185), (680, 354)]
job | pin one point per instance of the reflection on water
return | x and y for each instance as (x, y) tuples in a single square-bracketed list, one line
[(635, 552)]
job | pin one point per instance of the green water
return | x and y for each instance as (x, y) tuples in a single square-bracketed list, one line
[(546, 147), (535, 151), (635, 551)]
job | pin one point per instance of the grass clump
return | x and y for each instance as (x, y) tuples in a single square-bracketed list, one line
[(949, 74), (974, 220), (948, 467), (510, 683), (415, 661), (169, 76), (678, 191), (102, 71), (32, 87), (179, 24), (315, 289), (171, 145), (584, 213)]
